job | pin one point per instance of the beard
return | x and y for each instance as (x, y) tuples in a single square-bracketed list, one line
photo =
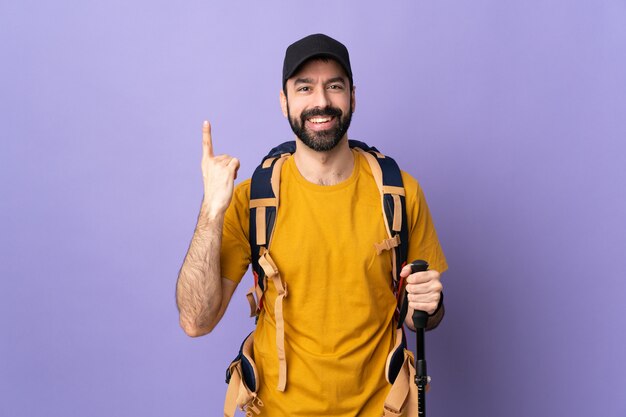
[(324, 140)]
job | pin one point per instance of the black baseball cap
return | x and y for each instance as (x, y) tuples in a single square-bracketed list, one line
[(313, 46)]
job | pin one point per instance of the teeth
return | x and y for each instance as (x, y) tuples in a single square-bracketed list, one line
[(319, 119)]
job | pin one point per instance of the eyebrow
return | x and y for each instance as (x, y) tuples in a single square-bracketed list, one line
[(336, 80), (303, 81)]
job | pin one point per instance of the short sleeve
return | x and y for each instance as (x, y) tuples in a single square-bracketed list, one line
[(235, 250), (423, 240)]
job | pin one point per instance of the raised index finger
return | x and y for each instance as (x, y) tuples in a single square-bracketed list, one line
[(207, 143)]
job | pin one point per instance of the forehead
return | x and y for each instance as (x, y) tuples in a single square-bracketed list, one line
[(323, 68)]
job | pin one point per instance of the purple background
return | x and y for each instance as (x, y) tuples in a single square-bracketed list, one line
[(512, 114)]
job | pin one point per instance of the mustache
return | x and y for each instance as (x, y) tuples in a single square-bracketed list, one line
[(326, 111)]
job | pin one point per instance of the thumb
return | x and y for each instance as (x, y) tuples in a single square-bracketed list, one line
[(406, 271)]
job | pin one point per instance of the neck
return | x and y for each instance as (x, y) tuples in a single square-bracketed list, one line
[(325, 168)]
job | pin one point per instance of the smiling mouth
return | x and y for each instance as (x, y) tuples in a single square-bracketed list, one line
[(321, 123), (320, 119)]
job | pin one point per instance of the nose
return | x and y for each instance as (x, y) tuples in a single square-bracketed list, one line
[(320, 98)]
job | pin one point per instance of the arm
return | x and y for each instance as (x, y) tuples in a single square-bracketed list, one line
[(202, 295)]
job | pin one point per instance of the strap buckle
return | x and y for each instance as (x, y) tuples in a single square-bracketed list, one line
[(387, 244)]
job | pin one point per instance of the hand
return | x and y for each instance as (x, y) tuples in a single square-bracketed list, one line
[(219, 174), (423, 288)]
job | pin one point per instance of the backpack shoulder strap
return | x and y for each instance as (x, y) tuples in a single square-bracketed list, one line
[(388, 179), (264, 202), (264, 196)]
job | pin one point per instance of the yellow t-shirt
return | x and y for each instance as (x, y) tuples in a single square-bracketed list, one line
[(339, 310)]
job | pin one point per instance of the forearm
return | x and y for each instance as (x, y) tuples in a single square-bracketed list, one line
[(199, 285)]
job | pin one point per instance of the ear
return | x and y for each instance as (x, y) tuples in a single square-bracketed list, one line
[(353, 98), (283, 103)]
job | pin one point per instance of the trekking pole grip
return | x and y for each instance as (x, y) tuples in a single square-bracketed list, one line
[(419, 317)]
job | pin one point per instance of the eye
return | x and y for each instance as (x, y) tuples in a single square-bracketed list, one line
[(304, 89), (335, 87)]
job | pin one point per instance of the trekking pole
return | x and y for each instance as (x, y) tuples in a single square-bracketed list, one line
[(419, 321)]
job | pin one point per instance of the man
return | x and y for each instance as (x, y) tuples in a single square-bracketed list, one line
[(339, 310)]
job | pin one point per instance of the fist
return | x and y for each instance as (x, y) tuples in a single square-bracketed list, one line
[(423, 288)]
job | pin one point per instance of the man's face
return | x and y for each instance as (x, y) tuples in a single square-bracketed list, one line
[(319, 104)]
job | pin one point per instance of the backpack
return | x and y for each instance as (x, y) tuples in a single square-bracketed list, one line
[(241, 375)]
